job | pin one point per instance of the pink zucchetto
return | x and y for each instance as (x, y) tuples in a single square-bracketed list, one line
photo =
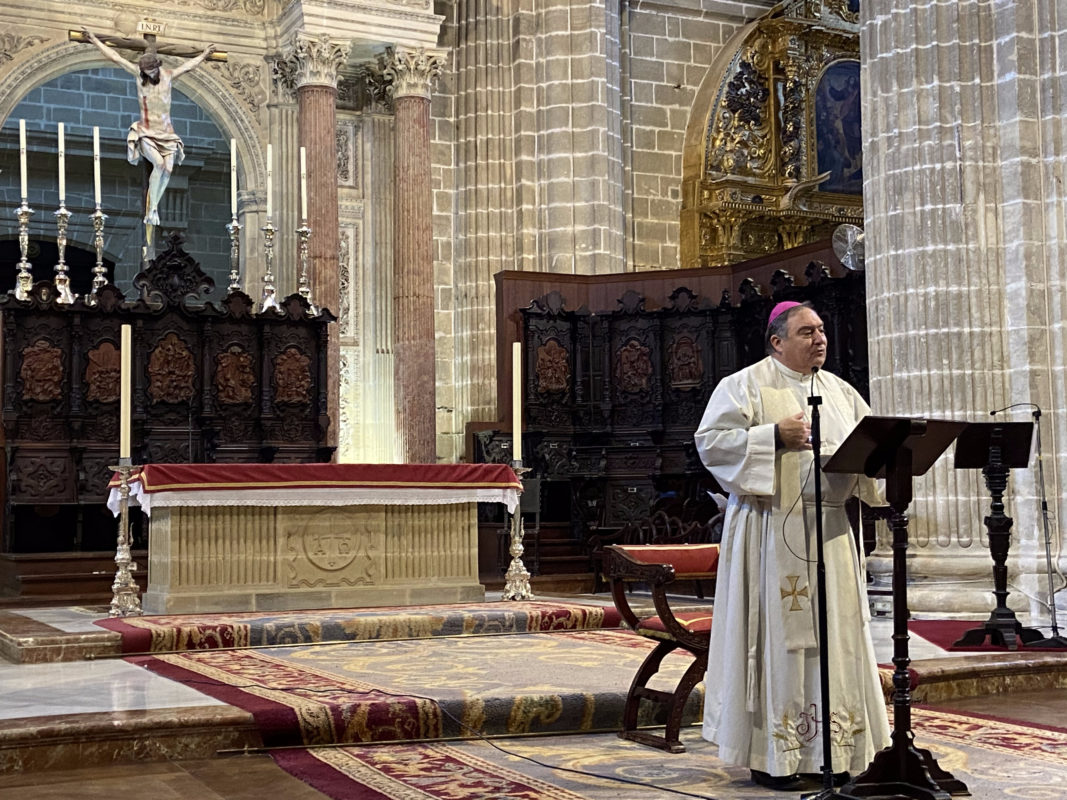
[(780, 309)]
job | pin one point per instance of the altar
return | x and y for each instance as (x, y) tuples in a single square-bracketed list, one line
[(265, 537)]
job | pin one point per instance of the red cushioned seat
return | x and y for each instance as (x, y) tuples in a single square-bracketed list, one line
[(659, 566)]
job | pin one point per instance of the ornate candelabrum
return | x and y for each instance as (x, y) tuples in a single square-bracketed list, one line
[(269, 298), (99, 271), (304, 287), (517, 579), (125, 594), (62, 280), (24, 280), (234, 229)]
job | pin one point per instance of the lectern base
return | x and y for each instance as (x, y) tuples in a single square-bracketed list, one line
[(905, 772), (1001, 632)]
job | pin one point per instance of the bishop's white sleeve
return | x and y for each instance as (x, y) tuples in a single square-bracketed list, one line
[(734, 445)]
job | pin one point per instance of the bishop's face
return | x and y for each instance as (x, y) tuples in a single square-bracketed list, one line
[(804, 343)]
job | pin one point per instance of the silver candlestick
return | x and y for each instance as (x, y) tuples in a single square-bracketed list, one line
[(24, 280), (125, 593), (234, 229), (62, 280), (269, 298), (517, 579), (304, 286), (99, 271)]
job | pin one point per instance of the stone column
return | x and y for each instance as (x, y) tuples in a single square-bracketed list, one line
[(316, 62), (411, 73), (963, 199)]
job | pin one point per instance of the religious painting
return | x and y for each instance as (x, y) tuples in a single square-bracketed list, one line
[(839, 139)]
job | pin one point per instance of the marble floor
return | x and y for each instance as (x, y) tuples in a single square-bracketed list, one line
[(103, 686)]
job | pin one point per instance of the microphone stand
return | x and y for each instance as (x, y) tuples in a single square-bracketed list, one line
[(1054, 641), (815, 401)]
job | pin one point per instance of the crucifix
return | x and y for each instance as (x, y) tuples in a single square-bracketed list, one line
[(152, 134)]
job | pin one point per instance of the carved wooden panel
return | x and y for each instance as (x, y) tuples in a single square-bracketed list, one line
[(211, 382)]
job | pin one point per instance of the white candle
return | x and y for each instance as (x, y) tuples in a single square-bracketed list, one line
[(22, 154), (270, 179), (96, 164), (233, 178), (62, 168), (303, 185), (125, 360), (516, 401)]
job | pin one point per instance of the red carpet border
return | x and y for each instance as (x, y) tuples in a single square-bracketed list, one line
[(564, 682), (994, 758), (159, 634)]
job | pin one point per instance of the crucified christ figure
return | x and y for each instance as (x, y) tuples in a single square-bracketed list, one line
[(152, 135)]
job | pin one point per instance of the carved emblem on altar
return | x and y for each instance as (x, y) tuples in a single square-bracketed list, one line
[(326, 549), (41, 372), (170, 371)]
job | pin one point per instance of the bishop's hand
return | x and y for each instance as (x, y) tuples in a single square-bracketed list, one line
[(795, 432)]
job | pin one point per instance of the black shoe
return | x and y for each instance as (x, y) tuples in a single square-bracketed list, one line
[(782, 783), (840, 778)]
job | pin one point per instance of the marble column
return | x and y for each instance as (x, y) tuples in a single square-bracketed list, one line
[(411, 73), (963, 199), (316, 62)]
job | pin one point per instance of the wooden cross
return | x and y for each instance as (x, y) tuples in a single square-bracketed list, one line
[(149, 44)]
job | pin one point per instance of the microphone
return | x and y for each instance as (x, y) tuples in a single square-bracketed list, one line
[(1036, 409)]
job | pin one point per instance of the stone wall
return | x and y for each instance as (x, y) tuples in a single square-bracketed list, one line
[(558, 148)]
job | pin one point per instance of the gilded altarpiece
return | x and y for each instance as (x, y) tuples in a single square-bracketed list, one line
[(773, 157)]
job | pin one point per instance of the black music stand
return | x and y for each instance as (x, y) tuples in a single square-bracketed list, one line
[(994, 448), (898, 448)]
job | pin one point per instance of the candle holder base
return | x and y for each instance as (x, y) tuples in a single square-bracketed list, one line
[(125, 599), (517, 579)]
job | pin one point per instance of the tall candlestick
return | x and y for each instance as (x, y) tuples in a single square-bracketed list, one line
[(233, 178), (270, 179), (125, 361), (62, 168), (96, 164), (516, 401), (303, 185), (22, 154)]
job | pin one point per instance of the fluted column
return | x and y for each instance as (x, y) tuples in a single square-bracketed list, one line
[(411, 73), (962, 116), (315, 62)]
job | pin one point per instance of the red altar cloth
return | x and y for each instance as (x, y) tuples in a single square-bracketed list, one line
[(318, 484)]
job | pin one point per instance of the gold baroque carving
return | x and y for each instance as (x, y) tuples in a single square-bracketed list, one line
[(170, 371), (844, 9), (11, 43), (41, 372)]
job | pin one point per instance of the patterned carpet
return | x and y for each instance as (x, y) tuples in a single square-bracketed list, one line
[(562, 682), (165, 634), (996, 759)]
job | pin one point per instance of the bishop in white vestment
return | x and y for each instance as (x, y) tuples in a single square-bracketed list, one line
[(762, 704)]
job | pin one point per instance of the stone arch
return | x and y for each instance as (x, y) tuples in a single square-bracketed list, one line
[(201, 85)]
